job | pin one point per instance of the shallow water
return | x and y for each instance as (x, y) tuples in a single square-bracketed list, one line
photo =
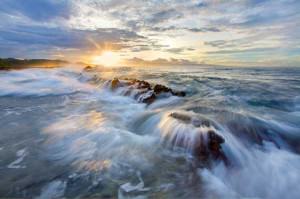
[(64, 133)]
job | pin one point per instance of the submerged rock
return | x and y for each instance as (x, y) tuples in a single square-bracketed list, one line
[(210, 146), (196, 122), (179, 93), (142, 90), (182, 117), (161, 88), (88, 68), (115, 83), (143, 85), (201, 139), (147, 98)]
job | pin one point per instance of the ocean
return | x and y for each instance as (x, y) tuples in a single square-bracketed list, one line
[(64, 132)]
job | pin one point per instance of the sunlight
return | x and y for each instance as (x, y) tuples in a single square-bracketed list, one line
[(107, 58)]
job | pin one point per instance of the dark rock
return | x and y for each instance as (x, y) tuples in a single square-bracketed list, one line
[(215, 142), (142, 90), (210, 148), (205, 146), (115, 83), (179, 93), (202, 122), (182, 117), (147, 98), (143, 85), (139, 93), (158, 88), (88, 68), (188, 119)]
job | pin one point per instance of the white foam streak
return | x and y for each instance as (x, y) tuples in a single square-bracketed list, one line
[(41, 82), (263, 173)]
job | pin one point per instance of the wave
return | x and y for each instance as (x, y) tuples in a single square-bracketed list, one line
[(226, 138)]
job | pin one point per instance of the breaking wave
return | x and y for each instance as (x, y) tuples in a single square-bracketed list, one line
[(233, 134)]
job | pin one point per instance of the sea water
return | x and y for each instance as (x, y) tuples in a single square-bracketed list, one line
[(65, 133)]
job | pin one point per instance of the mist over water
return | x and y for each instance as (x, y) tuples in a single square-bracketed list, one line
[(65, 133)]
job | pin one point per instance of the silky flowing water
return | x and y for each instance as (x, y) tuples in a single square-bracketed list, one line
[(65, 133)]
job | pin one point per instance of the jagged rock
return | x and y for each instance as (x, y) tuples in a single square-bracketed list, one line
[(147, 98), (179, 93), (188, 119), (215, 139), (114, 83), (143, 84), (88, 68), (182, 117), (158, 88), (210, 149), (205, 145), (143, 91)]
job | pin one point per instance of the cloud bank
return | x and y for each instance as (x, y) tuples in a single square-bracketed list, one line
[(241, 32)]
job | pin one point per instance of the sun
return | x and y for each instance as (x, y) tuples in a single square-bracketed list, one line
[(107, 58)]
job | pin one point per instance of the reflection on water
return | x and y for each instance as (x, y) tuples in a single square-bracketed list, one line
[(64, 133)]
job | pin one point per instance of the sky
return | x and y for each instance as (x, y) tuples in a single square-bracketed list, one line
[(154, 32)]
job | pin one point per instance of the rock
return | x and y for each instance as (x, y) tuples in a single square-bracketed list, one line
[(179, 93), (142, 90), (182, 117), (204, 144), (143, 85), (88, 68), (188, 119), (158, 88), (209, 147), (215, 142), (147, 98), (115, 83)]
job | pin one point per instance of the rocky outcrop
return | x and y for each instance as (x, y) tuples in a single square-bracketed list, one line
[(204, 142), (115, 83), (88, 68), (143, 91), (210, 147), (158, 88)]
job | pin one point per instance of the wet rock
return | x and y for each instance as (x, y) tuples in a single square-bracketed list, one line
[(158, 88), (88, 68), (139, 93), (214, 142), (179, 93), (142, 90), (115, 83), (143, 85), (205, 145), (209, 147), (182, 117), (188, 119), (147, 98)]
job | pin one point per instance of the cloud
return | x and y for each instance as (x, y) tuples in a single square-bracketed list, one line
[(159, 62), (217, 43), (216, 29), (164, 15), (254, 13), (179, 50), (41, 38), (253, 50), (38, 10), (173, 28)]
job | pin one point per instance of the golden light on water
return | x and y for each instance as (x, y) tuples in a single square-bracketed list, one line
[(107, 58)]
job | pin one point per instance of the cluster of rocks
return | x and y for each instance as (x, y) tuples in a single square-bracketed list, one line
[(88, 68), (208, 144), (144, 91)]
